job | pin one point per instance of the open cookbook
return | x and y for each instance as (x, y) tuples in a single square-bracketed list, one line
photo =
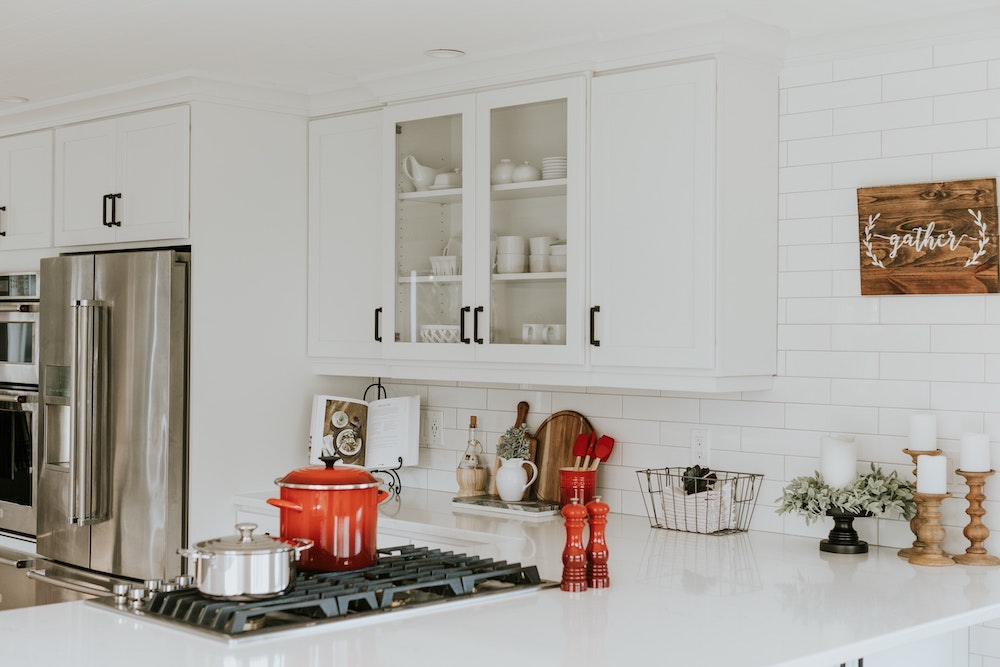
[(374, 434)]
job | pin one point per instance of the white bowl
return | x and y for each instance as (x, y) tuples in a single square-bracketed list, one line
[(539, 245), (445, 266), (510, 263), (558, 249), (511, 245), (439, 333), (538, 263), (557, 262)]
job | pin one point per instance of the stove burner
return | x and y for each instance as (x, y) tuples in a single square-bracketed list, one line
[(403, 577)]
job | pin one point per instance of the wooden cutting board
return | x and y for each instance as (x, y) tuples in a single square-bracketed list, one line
[(555, 437), (522, 418)]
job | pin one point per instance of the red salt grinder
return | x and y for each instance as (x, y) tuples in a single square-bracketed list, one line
[(574, 557), (597, 547)]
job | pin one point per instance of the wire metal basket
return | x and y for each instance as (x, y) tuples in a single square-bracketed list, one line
[(717, 503)]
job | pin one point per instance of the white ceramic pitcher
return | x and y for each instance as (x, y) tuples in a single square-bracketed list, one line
[(422, 177), (512, 479)]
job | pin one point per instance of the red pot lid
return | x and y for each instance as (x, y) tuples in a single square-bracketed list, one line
[(329, 476)]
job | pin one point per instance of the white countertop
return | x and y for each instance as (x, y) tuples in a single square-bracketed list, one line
[(751, 599)]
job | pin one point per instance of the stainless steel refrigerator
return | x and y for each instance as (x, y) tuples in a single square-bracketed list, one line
[(114, 394)]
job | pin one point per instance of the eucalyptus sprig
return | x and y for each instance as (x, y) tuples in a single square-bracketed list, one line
[(874, 492), (514, 444)]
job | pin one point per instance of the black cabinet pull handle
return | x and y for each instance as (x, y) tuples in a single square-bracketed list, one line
[(461, 329), (3, 209), (114, 216), (104, 211), (593, 311), (378, 321), (475, 325)]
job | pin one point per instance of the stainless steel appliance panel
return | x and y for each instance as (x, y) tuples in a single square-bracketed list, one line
[(18, 464), (114, 390)]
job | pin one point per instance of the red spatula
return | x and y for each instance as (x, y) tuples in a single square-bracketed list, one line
[(591, 438), (580, 448), (602, 450)]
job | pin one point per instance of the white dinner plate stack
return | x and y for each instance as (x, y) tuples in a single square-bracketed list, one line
[(553, 167)]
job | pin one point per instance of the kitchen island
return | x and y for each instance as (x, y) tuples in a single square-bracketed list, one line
[(752, 599)]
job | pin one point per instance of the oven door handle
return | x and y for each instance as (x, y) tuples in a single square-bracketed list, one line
[(89, 474), (77, 586)]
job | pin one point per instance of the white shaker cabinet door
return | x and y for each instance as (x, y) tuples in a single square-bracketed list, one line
[(84, 174), (26, 191), (652, 265), (345, 217)]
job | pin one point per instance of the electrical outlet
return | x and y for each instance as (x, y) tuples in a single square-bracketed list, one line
[(699, 448), (431, 425)]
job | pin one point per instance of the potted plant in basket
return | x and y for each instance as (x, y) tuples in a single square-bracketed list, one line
[(871, 494)]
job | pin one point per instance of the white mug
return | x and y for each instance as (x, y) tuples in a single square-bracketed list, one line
[(554, 334), (531, 333)]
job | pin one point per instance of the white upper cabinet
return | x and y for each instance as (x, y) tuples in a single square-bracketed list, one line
[(26, 191), (345, 216), (466, 285), (684, 226), (123, 179)]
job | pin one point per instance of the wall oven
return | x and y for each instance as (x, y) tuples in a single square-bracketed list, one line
[(19, 319)]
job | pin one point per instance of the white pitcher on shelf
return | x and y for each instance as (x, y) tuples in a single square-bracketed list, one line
[(512, 479), (421, 176)]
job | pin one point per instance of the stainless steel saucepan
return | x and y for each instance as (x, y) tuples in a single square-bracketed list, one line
[(245, 566)]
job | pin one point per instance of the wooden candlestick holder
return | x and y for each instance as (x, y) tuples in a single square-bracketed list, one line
[(918, 546), (930, 531), (976, 532)]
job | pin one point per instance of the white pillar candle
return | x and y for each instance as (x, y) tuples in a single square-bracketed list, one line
[(923, 432), (838, 460), (932, 474), (975, 454)]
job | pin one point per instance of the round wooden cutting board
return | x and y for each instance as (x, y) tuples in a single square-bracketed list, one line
[(555, 437)]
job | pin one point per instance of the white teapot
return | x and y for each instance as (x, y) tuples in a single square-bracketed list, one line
[(422, 177)]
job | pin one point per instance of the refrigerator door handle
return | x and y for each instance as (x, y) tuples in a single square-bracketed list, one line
[(89, 475)]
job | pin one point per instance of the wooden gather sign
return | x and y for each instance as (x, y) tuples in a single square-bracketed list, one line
[(929, 238)]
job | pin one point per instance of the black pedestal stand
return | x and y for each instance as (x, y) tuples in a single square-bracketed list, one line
[(843, 539)]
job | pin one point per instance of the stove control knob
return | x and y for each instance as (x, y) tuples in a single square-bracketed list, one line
[(153, 585), (168, 588), (184, 581), (121, 591), (137, 596)]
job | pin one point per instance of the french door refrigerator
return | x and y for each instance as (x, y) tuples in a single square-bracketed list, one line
[(114, 395)]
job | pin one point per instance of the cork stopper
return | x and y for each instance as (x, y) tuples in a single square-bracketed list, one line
[(472, 421)]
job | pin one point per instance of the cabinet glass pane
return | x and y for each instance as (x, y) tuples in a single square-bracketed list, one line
[(528, 223), (428, 234)]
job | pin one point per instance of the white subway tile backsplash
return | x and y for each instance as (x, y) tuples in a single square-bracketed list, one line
[(836, 94), (805, 284), (859, 310), (660, 408), (841, 148), (780, 441), (965, 338), (742, 413), (830, 256), (967, 106), (881, 337), (803, 337), (935, 81), (834, 418), (969, 135), (846, 283), (883, 171), (932, 367), (802, 179), (804, 231), (793, 390), (805, 74), (881, 63), (832, 364), (884, 116), (591, 405), (966, 164), (805, 125), (966, 50), (971, 396), (891, 393), (926, 309)]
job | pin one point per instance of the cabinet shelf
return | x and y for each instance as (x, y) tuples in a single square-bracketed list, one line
[(525, 277), (409, 280), (449, 196), (550, 188)]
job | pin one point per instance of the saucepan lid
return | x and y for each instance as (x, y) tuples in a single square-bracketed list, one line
[(329, 476)]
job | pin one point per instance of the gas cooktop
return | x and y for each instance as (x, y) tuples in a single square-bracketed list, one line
[(404, 578)]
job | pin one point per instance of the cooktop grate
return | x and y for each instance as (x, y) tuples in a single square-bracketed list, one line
[(404, 577)]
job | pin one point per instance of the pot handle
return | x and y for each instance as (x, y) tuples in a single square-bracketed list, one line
[(300, 543), (382, 495), (194, 554), (284, 504)]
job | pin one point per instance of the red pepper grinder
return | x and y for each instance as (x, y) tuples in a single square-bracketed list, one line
[(597, 547), (574, 557)]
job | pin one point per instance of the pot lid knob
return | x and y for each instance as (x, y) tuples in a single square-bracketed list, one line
[(246, 531), (329, 461)]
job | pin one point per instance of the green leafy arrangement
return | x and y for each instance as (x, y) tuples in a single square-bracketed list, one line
[(874, 492), (514, 443), (698, 479)]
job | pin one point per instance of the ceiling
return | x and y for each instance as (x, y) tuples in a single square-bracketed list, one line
[(56, 49)]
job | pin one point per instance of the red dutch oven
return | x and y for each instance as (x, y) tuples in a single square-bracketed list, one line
[(337, 508)]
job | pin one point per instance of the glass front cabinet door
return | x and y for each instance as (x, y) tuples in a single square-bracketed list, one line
[(488, 225)]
